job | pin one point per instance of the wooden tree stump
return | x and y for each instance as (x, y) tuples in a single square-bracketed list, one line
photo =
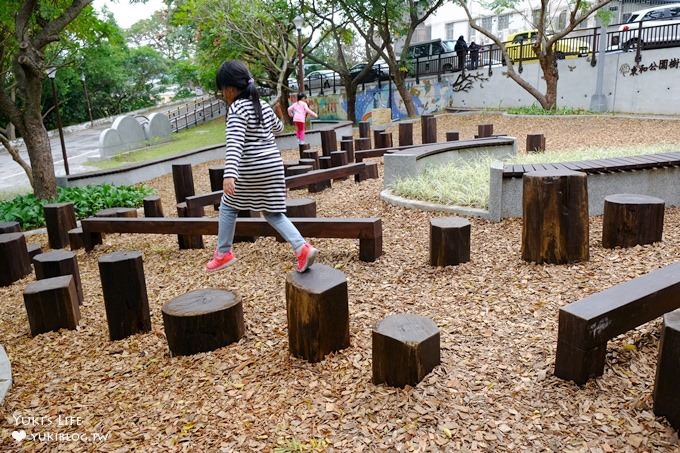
[(153, 207), (378, 137), (52, 304), (299, 169), (386, 139), (328, 142), (348, 147), (362, 144), (57, 263), (15, 263), (33, 249), (312, 154), (302, 147), (452, 136), (370, 171), (216, 177), (117, 212), (300, 207), (289, 163), (535, 143), (185, 241), (202, 320), (75, 238), (10, 227), (666, 389), (431, 129), (406, 133), (339, 158), (405, 349), (183, 181), (449, 241), (555, 217), (631, 220), (59, 218), (310, 162), (484, 130), (318, 312), (365, 130), (345, 138), (324, 162), (425, 133), (125, 297)]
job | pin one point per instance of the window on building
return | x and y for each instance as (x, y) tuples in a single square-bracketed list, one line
[(535, 17), (503, 22), (487, 22), (562, 21), (449, 31)]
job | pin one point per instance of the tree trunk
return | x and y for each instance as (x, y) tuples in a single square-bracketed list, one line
[(351, 93), (551, 76), (405, 94)]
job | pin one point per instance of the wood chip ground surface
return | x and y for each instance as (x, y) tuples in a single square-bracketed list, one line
[(494, 390)]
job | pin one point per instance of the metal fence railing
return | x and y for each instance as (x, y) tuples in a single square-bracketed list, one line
[(195, 112)]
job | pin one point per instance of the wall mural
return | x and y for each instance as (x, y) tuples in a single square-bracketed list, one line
[(662, 65)]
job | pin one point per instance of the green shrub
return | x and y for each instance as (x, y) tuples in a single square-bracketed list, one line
[(538, 110), (28, 210)]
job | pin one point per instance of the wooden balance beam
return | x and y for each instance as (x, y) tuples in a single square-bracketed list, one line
[(367, 230)]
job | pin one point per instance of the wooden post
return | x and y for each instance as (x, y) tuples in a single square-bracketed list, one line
[(300, 207), (10, 227), (452, 136), (666, 390), (406, 133), (324, 162), (328, 142), (216, 175), (338, 159), (631, 220), (318, 312), (187, 242), (125, 297), (386, 139), (405, 349), (535, 143), (431, 130), (116, 212), (57, 263), (365, 131), (14, 260), (345, 138), (302, 147), (378, 137), (153, 206), (348, 147), (59, 218), (424, 126), (314, 155), (75, 238), (449, 241), (484, 130), (555, 217), (51, 304), (183, 180), (362, 144), (202, 320), (33, 249)]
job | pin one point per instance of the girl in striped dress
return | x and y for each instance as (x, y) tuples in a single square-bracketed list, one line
[(253, 168)]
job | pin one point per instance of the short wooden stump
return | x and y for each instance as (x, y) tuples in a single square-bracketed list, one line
[(202, 320), (449, 241), (405, 349), (117, 212), (59, 219), (666, 389), (57, 263), (318, 312), (10, 227), (33, 249), (125, 297), (52, 304), (300, 207), (14, 260), (75, 238), (631, 220), (555, 217)]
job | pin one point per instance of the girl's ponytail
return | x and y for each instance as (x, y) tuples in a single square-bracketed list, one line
[(235, 73)]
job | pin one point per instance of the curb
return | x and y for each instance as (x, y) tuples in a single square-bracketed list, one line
[(396, 200), (5, 374)]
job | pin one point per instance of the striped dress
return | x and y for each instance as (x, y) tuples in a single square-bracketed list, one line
[(253, 159)]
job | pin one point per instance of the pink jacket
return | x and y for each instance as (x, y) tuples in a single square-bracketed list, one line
[(299, 111)]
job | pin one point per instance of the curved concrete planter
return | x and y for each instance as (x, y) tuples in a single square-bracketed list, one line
[(5, 374)]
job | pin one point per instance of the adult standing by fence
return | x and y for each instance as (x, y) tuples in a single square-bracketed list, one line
[(461, 50)]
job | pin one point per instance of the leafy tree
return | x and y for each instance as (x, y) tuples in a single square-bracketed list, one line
[(171, 39), (33, 36), (544, 45)]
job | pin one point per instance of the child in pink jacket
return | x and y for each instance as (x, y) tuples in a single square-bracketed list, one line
[(299, 111)]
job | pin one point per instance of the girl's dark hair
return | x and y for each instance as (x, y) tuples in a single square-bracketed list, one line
[(301, 96), (234, 73)]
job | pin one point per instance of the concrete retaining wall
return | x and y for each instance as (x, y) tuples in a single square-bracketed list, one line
[(505, 194)]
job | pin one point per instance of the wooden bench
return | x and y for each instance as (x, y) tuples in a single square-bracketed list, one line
[(367, 230), (587, 324)]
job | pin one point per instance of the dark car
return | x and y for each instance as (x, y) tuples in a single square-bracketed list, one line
[(378, 71)]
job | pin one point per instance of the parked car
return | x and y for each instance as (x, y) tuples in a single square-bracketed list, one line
[(379, 71), (323, 77), (429, 55), (653, 32), (519, 45), (292, 84)]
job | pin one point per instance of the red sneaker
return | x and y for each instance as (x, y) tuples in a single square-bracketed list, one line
[(220, 261), (305, 257)]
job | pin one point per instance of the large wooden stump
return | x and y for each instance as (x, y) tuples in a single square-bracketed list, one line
[(555, 217), (51, 304), (348, 147), (365, 131), (484, 130), (425, 133), (328, 142), (124, 290), (386, 139), (59, 219), (449, 241), (183, 181), (318, 312), (378, 137), (300, 207), (202, 320), (666, 388), (57, 263), (10, 227), (406, 133), (14, 260), (405, 349), (153, 207), (631, 220), (338, 159), (535, 143)]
